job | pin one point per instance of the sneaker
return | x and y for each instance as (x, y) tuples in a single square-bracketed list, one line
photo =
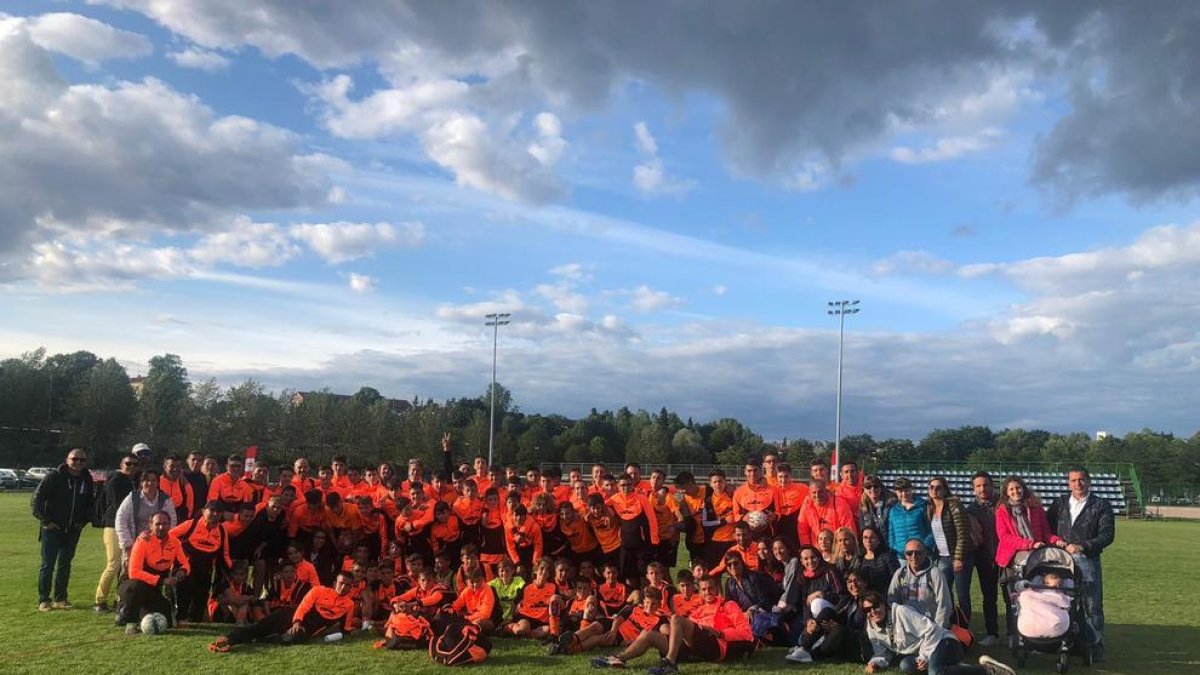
[(62, 604), (664, 667), (799, 655), (989, 640), (608, 662), (994, 667), (101, 608), (44, 606), (563, 646), (132, 629)]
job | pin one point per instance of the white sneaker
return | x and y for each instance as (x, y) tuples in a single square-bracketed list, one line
[(799, 655), (366, 625), (989, 640), (994, 667)]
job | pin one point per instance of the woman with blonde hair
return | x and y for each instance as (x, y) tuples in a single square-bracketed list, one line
[(845, 549), (824, 544)]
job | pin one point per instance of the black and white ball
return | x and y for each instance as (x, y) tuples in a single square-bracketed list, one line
[(154, 624)]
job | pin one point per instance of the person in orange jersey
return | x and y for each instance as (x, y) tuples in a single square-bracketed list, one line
[(207, 547), (646, 616), (755, 495), (719, 518), (823, 511), (639, 528), (531, 609), (156, 563), (478, 603), (322, 611), (789, 497), (230, 488)]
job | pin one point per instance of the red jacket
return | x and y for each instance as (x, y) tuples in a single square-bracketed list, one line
[(1011, 540)]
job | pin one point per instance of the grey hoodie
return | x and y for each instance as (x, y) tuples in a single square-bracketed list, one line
[(924, 591)]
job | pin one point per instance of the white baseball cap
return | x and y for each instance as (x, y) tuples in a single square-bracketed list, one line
[(140, 449)]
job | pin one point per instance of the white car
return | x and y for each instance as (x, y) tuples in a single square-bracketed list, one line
[(36, 474), (9, 479)]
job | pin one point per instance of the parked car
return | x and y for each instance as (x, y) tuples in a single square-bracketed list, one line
[(99, 476), (9, 479), (36, 474)]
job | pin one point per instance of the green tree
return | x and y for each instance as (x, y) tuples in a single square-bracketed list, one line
[(367, 396), (688, 448), (163, 404), (101, 410), (67, 372)]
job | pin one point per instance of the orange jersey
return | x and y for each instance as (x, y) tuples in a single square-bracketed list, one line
[(180, 492), (634, 506), (749, 498), (199, 536), (695, 506), (476, 605), (788, 500), (579, 535), (533, 601), (283, 594), (224, 489), (413, 525), (749, 555), (426, 597), (300, 517), (681, 606), (151, 557), (460, 577), (637, 622), (328, 604), (524, 537), (348, 518), (342, 486), (469, 511), (612, 596), (666, 513), (723, 510), (831, 515), (444, 534), (607, 529), (307, 573)]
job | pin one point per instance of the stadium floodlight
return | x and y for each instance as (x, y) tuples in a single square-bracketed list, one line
[(495, 321), (840, 308)]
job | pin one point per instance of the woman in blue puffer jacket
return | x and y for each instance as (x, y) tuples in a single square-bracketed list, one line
[(907, 519)]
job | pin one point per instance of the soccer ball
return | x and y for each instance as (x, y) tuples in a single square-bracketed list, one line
[(154, 624), (757, 519)]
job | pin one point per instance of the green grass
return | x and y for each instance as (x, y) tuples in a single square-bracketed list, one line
[(1152, 627)]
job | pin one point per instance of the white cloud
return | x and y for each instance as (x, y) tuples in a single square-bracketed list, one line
[(563, 297), (361, 283), (200, 59), (910, 262), (509, 301), (645, 300), (549, 146), (85, 39), (572, 271), (945, 149), (342, 241), (246, 244), (649, 177), (720, 290), (137, 157)]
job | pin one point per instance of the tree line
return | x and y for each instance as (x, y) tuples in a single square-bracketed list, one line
[(51, 403)]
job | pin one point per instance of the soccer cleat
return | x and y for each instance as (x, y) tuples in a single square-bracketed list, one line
[(664, 667), (608, 662), (44, 607), (101, 608), (132, 629), (219, 646), (799, 655), (994, 667), (62, 604)]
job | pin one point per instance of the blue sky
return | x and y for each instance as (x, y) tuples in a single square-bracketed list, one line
[(664, 198)]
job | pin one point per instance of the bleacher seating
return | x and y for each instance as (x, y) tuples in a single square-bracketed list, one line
[(1046, 485)]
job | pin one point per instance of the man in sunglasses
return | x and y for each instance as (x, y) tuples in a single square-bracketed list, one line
[(920, 585), (62, 503), (899, 633)]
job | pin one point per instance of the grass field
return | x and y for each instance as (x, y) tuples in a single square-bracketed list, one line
[(1152, 626)]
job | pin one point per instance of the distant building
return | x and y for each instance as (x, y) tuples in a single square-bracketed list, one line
[(1101, 435), (395, 405), (136, 382)]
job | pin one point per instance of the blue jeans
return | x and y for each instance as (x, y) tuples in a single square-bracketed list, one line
[(946, 659), (1093, 599), (962, 584), (58, 549)]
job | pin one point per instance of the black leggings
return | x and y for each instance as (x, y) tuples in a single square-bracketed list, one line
[(277, 623), (196, 588), (138, 598)]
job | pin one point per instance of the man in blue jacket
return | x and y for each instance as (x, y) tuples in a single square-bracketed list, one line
[(62, 503)]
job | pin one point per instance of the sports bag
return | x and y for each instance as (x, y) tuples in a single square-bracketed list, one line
[(458, 644)]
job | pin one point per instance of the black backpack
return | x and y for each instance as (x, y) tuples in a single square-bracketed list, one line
[(459, 643)]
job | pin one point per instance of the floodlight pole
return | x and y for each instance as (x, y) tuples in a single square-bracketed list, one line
[(495, 321), (840, 308)]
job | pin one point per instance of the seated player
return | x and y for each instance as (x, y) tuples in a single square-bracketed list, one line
[(624, 629), (507, 586), (745, 546), (531, 609), (233, 598), (323, 611), (478, 603), (613, 593), (423, 599), (716, 631), (687, 597), (285, 590)]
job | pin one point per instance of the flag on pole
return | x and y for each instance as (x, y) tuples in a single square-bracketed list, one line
[(251, 454)]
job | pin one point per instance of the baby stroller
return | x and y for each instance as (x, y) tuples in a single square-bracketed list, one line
[(1048, 608)]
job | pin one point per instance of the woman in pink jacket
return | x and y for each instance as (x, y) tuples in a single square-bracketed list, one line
[(1021, 523)]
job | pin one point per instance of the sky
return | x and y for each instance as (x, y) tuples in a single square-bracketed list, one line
[(664, 196)]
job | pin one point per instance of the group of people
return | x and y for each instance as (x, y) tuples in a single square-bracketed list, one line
[(831, 569)]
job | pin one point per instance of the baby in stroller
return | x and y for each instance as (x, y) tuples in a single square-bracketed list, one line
[(1047, 607)]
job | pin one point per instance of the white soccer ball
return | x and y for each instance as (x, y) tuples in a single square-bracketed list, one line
[(757, 519), (154, 624)]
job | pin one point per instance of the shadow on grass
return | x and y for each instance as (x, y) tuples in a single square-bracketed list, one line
[(1130, 649)]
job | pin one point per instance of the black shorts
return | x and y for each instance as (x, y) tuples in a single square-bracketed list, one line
[(668, 553), (533, 623), (704, 647)]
